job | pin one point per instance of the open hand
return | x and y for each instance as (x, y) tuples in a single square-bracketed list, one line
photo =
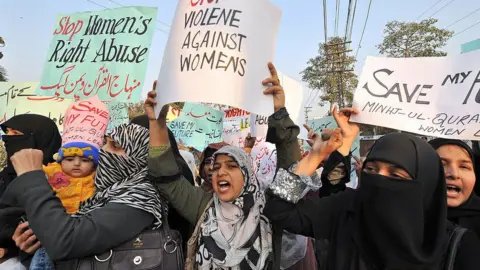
[(349, 129), (27, 160), (274, 88)]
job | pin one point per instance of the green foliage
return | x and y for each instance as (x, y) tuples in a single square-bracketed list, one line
[(412, 39), (320, 74), (3, 71), (3, 74)]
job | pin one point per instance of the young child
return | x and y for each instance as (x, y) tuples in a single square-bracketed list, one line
[(72, 176)]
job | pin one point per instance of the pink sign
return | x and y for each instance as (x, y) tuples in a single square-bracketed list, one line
[(86, 121)]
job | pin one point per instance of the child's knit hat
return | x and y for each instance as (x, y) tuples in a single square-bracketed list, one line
[(84, 129)]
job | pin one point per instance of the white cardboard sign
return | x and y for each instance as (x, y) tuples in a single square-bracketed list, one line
[(218, 51), (434, 96)]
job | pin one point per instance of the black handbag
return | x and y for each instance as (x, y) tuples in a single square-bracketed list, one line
[(453, 243), (158, 249)]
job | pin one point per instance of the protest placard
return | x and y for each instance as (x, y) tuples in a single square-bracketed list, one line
[(217, 52), (118, 114), (183, 129), (20, 98), (102, 53), (236, 126), (86, 121), (198, 126), (433, 96)]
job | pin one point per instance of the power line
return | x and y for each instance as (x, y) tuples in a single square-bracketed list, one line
[(158, 29), (463, 18), (428, 9), (347, 25), (364, 27), (446, 5), (123, 6), (349, 37), (337, 17), (325, 28), (468, 28)]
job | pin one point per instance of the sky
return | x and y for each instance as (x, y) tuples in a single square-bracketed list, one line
[(27, 27)]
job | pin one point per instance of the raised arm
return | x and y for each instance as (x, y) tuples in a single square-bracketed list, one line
[(188, 200), (315, 217), (282, 131)]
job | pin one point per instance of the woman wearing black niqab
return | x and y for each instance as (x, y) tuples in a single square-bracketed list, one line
[(467, 214), (33, 131), (396, 219)]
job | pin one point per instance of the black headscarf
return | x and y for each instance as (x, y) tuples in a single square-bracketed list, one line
[(401, 224), (467, 214), (39, 132), (333, 161), (186, 172)]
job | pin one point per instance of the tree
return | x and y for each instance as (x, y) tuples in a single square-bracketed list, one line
[(330, 73), (412, 39), (3, 72)]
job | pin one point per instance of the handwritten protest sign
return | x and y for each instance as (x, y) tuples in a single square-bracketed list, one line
[(200, 125), (102, 53), (434, 96), (173, 113), (20, 98), (118, 114), (265, 160), (183, 129), (218, 52), (86, 121), (236, 126), (318, 125)]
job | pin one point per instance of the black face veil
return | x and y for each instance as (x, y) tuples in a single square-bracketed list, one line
[(403, 222)]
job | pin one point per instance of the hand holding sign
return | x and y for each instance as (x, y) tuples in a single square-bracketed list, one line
[(274, 88), (312, 135), (150, 104), (250, 141), (350, 130), (328, 147)]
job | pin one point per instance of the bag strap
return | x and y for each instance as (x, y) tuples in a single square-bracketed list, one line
[(192, 242), (453, 243)]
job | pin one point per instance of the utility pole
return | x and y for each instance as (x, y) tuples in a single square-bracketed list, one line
[(307, 110), (336, 54)]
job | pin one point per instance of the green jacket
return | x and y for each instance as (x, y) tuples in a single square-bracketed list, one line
[(191, 201)]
